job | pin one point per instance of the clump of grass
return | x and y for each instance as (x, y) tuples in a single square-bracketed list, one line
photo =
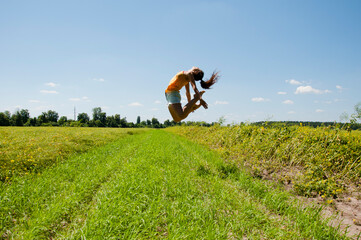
[(26, 151), (227, 170), (203, 170), (316, 161)]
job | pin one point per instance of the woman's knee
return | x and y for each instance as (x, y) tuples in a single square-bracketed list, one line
[(179, 117), (176, 117)]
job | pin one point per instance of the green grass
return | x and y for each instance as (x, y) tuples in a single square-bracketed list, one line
[(149, 186), (29, 150), (317, 161)]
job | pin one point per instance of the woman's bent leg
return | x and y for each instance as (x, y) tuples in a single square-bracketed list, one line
[(176, 111), (190, 106)]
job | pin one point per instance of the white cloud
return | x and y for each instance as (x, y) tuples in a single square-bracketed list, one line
[(135, 104), (99, 79), (48, 91), (157, 102), (221, 103), (51, 84), (340, 88), (291, 112), (260, 99), (154, 109), (319, 110), (83, 99), (293, 82), (34, 101), (281, 93), (287, 102), (309, 89)]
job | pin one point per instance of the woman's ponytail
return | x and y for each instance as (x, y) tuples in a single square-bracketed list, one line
[(207, 84)]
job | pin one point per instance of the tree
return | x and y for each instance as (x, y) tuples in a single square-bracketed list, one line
[(99, 115), (52, 116), (167, 123), (24, 114), (221, 120), (96, 113), (357, 114), (8, 114), (173, 123), (143, 124), (43, 118), (16, 119), (138, 120), (83, 118), (30, 122), (123, 122), (4, 119), (155, 123), (62, 120), (117, 119), (110, 122), (98, 123), (130, 125)]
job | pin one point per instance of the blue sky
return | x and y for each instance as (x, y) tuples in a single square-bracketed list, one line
[(279, 60)]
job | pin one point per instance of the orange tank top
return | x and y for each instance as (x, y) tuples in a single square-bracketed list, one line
[(177, 82)]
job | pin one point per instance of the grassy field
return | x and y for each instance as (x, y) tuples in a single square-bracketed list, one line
[(315, 161), (29, 150), (152, 185)]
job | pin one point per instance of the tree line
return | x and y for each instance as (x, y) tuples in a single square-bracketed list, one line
[(99, 119)]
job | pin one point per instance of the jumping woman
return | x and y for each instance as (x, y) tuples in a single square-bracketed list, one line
[(183, 79)]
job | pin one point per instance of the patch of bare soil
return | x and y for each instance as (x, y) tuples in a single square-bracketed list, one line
[(344, 212), (348, 214)]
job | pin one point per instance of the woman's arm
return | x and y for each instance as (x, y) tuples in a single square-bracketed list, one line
[(193, 83), (188, 94)]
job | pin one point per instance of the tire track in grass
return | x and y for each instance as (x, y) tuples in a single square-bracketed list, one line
[(163, 193), (268, 225), (38, 206)]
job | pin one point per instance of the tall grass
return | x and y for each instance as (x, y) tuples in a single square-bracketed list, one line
[(29, 150), (317, 161)]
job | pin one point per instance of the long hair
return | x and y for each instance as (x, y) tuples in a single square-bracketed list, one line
[(213, 79)]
